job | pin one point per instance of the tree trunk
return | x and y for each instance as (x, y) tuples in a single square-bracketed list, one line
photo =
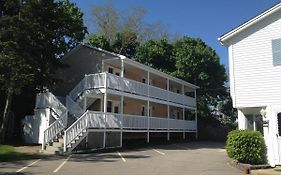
[(6, 115)]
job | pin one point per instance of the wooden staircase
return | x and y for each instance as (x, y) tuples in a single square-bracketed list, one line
[(55, 147)]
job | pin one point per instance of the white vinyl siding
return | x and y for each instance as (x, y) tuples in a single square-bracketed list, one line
[(256, 81), (276, 52)]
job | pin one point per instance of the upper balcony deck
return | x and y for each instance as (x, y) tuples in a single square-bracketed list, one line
[(130, 87)]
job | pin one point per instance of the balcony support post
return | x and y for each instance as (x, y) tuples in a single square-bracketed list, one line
[(105, 110), (183, 118), (168, 88), (148, 111), (182, 90), (196, 121), (122, 116), (122, 68), (148, 121), (122, 103), (85, 103), (168, 134), (168, 109)]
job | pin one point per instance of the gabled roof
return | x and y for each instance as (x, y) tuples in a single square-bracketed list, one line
[(81, 45), (249, 23)]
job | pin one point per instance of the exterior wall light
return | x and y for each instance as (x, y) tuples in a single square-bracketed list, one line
[(263, 112)]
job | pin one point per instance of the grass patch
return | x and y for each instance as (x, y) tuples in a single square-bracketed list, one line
[(8, 154)]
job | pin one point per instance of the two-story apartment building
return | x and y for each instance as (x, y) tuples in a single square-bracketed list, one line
[(105, 98), (254, 51)]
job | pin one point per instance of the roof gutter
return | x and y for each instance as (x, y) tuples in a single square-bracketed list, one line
[(249, 23)]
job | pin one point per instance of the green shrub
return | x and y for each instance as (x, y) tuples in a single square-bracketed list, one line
[(246, 146)]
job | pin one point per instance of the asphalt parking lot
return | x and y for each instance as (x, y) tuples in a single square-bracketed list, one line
[(194, 158)]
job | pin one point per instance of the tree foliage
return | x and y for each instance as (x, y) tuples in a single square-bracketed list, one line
[(157, 54), (122, 31), (189, 59), (33, 37), (106, 21), (199, 64), (226, 107), (46, 39), (125, 43), (99, 41)]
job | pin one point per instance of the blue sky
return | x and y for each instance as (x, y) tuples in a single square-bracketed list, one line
[(206, 19)]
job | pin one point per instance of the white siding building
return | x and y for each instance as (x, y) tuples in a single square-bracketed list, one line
[(254, 51)]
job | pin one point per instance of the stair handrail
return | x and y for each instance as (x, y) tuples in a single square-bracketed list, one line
[(73, 107), (68, 136), (88, 119), (49, 100), (52, 131)]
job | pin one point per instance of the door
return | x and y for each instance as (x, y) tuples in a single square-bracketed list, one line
[(272, 133), (278, 135)]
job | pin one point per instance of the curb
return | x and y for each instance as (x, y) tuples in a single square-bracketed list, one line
[(246, 168)]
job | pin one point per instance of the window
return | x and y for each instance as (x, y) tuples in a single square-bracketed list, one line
[(143, 111), (110, 70), (276, 52), (109, 106), (143, 80), (118, 74), (116, 109), (279, 123), (254, 122)]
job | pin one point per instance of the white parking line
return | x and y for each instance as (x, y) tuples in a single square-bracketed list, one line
[(123, 159), (158, 152), (61, 165), (28, 165)]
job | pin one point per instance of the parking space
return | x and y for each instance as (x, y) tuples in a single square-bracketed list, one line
[(202, 158)]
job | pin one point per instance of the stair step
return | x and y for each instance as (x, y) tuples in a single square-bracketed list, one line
[(57, 144), (60, 140), (52, 152), (52, 148)]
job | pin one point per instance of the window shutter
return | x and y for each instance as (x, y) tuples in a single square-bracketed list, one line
[(276, 52)]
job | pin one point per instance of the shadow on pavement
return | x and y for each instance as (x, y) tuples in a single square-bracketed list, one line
[(173, 145), (100, 157)]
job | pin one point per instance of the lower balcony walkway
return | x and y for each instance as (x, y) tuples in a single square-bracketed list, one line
[(101, 120), (125, 123)]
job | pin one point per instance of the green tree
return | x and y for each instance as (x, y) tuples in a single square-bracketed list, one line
[(14, 75), (199, 64), (34, 36), (126, 43), (226, 107), (50, 29), (158, 54), (105, 19), (99, 41), (191, 60), (124, 31)]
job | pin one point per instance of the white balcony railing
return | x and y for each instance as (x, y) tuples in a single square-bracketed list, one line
[(100, 120), (114, 82), (91, 81)]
